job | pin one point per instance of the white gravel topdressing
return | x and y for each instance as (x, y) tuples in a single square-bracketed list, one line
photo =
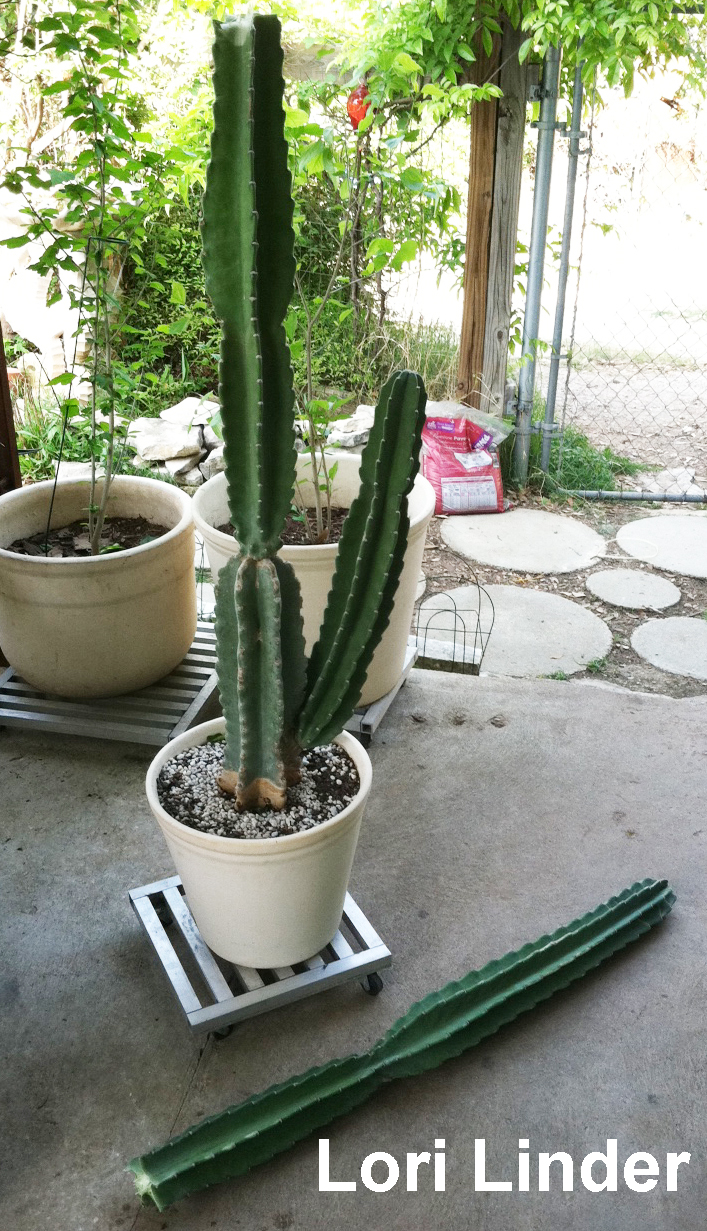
[(187, 790)]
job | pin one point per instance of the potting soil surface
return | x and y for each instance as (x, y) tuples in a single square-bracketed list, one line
[(188, 791), (296, 534), (119, 533)]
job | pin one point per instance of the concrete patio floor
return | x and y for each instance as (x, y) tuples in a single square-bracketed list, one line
[(500, 810)]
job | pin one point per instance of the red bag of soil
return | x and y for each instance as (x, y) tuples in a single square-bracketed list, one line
[(456, 460)]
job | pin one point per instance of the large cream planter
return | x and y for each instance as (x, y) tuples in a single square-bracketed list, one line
[(97, 626), (264, 902), (314, 565)]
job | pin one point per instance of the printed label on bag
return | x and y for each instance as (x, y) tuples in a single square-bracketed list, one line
[(469, 495)]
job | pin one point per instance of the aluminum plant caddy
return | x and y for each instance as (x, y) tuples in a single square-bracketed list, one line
[(232, 993), (157, 714), (151, 715)]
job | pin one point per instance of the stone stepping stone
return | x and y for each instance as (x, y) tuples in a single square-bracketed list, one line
[(629, 587), (527, 540), (677, 644), (533, 634), (677, 542)]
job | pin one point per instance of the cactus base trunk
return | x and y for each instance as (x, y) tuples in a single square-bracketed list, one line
[(264, 902)]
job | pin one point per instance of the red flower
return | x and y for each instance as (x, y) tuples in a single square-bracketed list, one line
[(356, 105)]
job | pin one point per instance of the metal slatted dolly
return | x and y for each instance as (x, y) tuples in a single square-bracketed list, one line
[(159, 713), (151, 715), (365, 722), (227, 993)]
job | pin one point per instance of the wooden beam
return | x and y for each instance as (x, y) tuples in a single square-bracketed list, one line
[(482, 155), (510, 131), (9, 460)]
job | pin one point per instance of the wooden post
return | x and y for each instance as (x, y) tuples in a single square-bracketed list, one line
[(9, 460), (510, 132), (495, 162), (482, 157)]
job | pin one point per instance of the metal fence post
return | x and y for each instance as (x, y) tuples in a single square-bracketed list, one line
[(536, 260), (574, 135)]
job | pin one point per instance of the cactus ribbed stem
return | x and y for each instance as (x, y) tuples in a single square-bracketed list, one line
[(248, 255), (261, 775), (226, 626), (273, 706), (369, 561), (441, 1026)]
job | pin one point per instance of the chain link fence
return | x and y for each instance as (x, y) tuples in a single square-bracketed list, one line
[(635, 382)]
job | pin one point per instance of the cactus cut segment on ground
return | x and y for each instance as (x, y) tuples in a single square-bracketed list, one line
[(437, 1028)]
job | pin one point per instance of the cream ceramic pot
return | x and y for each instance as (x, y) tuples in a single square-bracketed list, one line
[(97, 626), (264, 902), (314, 564)]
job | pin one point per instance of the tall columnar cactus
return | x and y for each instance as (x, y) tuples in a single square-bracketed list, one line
[(274, 703)]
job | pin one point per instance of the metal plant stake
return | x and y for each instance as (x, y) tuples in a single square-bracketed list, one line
[(274, 702), (441, 1026)]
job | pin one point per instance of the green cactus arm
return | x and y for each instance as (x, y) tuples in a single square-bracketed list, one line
[(369, 562), (226, 626), (436, 1029), (294, 665), (275, 277), (248, 255), (261, 706)]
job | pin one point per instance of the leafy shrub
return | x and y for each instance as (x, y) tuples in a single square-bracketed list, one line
[(168, 336)]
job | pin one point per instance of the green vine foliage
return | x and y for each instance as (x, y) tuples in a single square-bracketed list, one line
[(367, 203), (419, 44), (615, 38), (86, 211), (420, 63), (115, 178)]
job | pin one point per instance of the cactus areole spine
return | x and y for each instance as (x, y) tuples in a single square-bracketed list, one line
[(274, 702)]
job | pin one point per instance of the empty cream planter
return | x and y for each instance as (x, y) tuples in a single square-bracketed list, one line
[(97, 626), (264, 902), (314, 564)]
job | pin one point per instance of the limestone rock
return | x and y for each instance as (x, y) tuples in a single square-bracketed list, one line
[(190, 411), (192, 478), (213, 463), (180, 467), (352, 431), (75, 470), (158, 440)]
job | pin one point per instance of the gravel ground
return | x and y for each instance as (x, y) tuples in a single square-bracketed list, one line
[(444, 569)]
